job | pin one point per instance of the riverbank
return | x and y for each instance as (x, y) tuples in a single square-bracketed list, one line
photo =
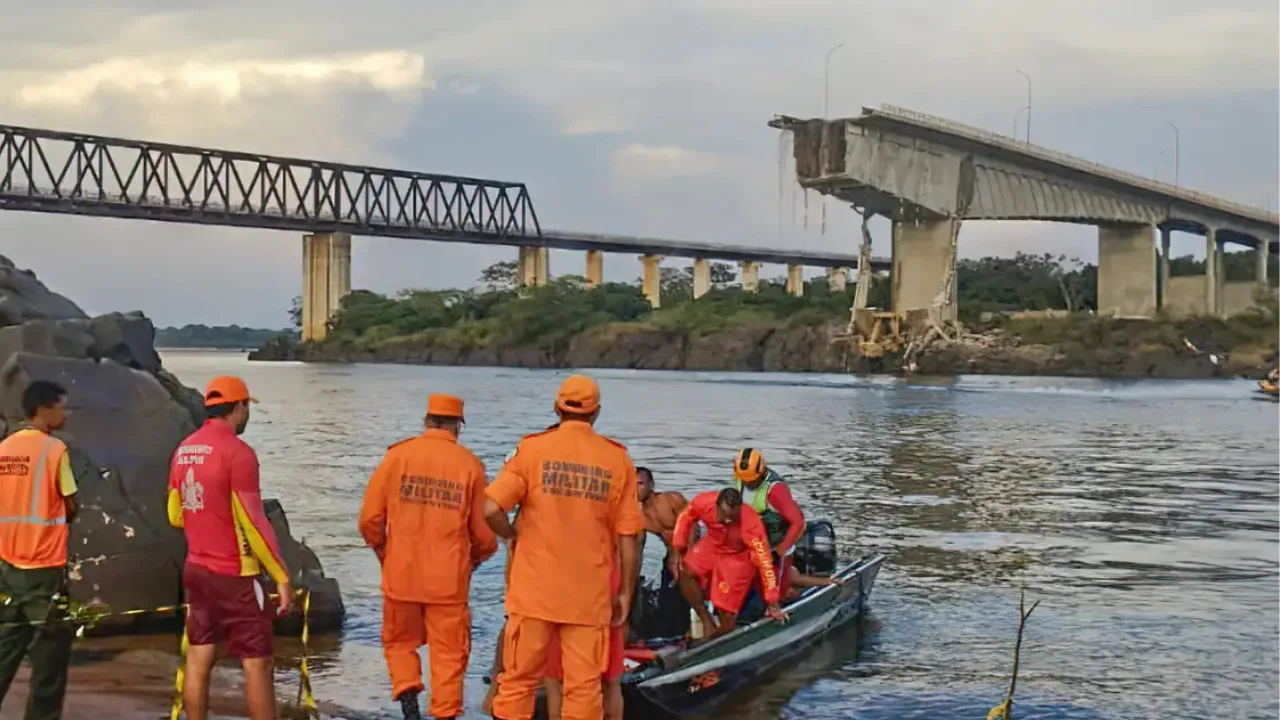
[(1079, 345)]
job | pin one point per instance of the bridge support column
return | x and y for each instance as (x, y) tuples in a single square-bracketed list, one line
[(326, 279), (595, 268), (532, 269), (1212, 274), (651, 281), (921, 262), (837, 279), (750, 276), (1127, 271), (1260, 262), (701, 277), (1166, 241), (795, 279)]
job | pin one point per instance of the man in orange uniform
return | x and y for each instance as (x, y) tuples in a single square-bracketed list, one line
[(722, 560), (577, 496), (423, 515), (215, 498), (37, 500), (553, 672)]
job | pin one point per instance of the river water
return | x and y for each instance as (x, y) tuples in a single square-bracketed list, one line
[(1143, 515)]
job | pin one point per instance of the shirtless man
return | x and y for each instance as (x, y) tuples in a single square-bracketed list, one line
[(661, 509)]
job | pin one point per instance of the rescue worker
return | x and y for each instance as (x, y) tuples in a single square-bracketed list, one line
[(611, 678), (577, 496), (764, 491), (725, 561), (423, 516), (37, 500), (214, 496)]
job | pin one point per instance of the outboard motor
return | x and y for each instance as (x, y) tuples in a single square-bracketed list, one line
[(816, 551)]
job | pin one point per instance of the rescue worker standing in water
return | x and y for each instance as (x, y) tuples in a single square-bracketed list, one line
[(578, 507), (764, 491), (423, 516)]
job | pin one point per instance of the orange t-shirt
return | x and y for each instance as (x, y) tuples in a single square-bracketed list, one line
[(424, 513), (577, 492)]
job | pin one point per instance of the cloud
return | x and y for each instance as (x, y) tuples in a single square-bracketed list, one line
[(639, 161)]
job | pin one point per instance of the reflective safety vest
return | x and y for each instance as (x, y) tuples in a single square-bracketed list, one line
[(775, 525), (33, 513)]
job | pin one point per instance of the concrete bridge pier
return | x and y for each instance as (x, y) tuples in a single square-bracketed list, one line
[(795, 279), (750, 276), (921, 262), (651, 280), (326, 279), (701, 277), (1166, 242), (1212, 273), (837, 279), (1260, 262), (534, 266), (595, 268), (1127, 270)]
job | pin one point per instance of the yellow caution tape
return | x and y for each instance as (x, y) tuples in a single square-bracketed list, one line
[(306, 700), (180, 679)]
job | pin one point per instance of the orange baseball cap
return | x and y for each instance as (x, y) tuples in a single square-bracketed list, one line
[(443, 405), (226, 389), (578, 394)]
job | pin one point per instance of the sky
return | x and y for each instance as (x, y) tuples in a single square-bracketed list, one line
[(623, 117)]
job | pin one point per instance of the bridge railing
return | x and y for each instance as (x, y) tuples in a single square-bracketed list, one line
[(63, 172), (1007, 143)]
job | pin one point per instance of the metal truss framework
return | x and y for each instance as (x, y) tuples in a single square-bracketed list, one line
[(68, 173)]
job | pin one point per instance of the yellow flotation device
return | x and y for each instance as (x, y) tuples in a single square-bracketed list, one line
[(1268, 387)]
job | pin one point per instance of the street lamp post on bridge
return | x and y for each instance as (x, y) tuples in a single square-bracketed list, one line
[(1028, 77), (826, 83), (1176, 153)]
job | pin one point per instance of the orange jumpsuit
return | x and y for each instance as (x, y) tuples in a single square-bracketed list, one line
[(723, 560), (577, 493), (424, 515)]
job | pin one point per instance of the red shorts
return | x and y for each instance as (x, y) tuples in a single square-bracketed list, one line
[(227, 608), (612, 672), (726, 577)]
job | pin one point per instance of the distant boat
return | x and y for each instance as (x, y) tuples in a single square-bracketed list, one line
[(1267, 391)]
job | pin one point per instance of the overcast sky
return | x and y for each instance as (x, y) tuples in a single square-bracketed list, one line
[(644, 118)]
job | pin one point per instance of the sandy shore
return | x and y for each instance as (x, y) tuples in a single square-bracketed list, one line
[(115, 678)]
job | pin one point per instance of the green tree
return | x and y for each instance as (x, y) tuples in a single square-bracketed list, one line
[(723, 274), (295, 312), (501, 276)]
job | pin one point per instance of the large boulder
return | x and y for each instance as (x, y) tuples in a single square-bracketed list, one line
[(127, 416)]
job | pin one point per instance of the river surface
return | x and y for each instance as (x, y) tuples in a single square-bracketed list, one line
[(1143, 515)]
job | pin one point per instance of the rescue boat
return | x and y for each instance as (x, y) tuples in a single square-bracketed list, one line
[(681, 680), (1267, 390)]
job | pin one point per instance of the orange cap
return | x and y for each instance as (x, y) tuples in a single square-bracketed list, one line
[(226, 389), (578, 394), (442, 405)]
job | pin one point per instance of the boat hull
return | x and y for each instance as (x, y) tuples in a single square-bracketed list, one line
[(705, 676)]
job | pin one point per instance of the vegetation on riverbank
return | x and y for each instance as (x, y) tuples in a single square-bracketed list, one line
[(567, 323), (217, 337)]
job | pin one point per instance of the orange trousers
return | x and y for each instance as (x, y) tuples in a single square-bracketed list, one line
[(407, 626), (524, 653)]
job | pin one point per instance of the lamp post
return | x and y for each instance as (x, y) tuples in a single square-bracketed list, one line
[(1162, 154), (1176, 153), (1028, 77), (826, 83), (1015, 120)]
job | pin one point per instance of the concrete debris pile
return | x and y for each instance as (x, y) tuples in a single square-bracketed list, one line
[(127, 416)]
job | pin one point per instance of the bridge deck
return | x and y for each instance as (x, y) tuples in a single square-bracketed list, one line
[(74, 174)]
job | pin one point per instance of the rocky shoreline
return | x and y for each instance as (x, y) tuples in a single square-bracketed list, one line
[(1116, 349)]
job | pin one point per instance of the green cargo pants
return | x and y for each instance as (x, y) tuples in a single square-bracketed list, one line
[(48, 645)]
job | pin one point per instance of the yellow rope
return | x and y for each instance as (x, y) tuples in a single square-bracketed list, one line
[(306, 700), (179, 680)]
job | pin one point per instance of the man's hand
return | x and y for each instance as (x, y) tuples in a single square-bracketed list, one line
[(621, 609), (675, 562), (286, 598), (775, 613)]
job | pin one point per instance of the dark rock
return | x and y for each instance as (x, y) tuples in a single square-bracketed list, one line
[(127, 417), (24, 298)]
